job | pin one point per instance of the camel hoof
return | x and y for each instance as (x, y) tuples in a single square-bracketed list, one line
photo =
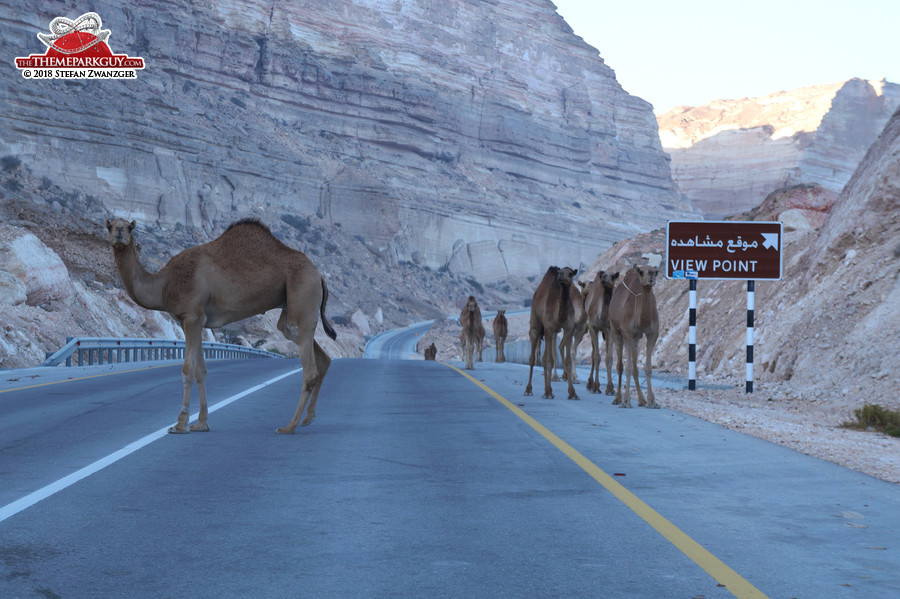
[(574, 397), (547, 396), (199, 428), (307, 421), (175, 430), (527, 392), (286, 430), (625, 405), (609, 391)]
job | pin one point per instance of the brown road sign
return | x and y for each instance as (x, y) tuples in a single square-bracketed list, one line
[(723, 250)]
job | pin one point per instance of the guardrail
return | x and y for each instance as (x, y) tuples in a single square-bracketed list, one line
[(113, 350)]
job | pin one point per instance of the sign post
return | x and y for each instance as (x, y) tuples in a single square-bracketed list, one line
[(717, 250)]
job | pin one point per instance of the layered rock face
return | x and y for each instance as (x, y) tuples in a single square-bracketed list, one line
[(729, 155), (484, 137)]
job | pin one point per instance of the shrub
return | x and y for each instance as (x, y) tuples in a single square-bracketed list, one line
[(876, 417)]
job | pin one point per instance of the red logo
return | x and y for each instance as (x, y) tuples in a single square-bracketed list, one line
[(78, 50)]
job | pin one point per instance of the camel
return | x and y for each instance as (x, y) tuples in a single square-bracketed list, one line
[(632, 315), (470, 319), (244, 272), (551, 311), (596, 303), (568, 345), (431, 352), (501, 329)]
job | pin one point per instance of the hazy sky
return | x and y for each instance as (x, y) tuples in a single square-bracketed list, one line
[(672, 52)]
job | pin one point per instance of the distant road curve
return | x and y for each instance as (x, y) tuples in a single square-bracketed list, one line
[(400, 344)]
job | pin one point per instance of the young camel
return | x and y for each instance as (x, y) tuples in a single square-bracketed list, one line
[(245, 271), (551, 311), (632, 315), (501, 329), (596, 302), (470, 319)]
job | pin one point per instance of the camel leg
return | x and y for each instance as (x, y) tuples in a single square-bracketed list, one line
[(311, 382), (618, 342), (569, 364), (595, 357), (648, 371), (202, 424), (500, 347), (535, 337), (193, 355), (610, 390), (323, 361), (630, 371), (555, 375), (549, 350), (634, 371)]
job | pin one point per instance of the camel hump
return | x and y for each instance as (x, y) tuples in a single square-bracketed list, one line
[(329, 330)]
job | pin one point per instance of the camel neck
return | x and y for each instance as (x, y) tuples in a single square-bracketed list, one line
[(144, 288)]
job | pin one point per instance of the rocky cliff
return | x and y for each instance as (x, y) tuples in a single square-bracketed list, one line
[(827, 330), (480, 136), (730, 154)]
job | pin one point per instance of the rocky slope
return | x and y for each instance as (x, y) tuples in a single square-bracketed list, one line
[(478, 136), (827, 330), (730, 154)]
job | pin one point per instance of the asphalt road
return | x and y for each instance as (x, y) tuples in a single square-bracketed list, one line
[(414, 481)]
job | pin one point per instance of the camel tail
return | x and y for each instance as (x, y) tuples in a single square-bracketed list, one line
[(329, 330)]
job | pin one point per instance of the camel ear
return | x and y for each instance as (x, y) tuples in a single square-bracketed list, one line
[(574, 272), (615, 276), (131, 226), (108, 225)]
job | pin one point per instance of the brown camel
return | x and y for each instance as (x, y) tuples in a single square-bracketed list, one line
[(571, 339), (431, 352), (596, 302), (470, 320), (551, 312), (632, 315), (245, 271), (501, 329)]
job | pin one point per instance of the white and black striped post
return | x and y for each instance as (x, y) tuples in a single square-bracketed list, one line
[(692, 335), (751, 291)]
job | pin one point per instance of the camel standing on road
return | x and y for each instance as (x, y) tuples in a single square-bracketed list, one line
[(501, 329), (597, 307), (572, 337), (632, 315), (470, 320), (431, 352), (551, 312), (244, 272)]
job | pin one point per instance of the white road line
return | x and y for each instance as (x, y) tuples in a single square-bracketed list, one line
[(29, 500)]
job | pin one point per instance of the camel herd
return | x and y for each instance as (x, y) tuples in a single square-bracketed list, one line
[(621, 314), (248, 271)]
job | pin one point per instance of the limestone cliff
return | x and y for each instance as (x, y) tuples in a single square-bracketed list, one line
[(480, 136), (730, 154)]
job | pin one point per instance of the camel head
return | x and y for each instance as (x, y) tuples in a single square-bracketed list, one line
[(501, 312), (608, 280), (566, 275), (471, 304), (120, 232), (646, 274)]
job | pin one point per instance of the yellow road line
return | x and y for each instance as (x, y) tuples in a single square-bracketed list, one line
[(734, 582), (82, 378)]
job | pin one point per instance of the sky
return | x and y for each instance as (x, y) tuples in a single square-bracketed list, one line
[(689, 52)]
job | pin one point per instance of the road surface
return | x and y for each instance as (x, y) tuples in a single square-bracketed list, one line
[(415, 480)]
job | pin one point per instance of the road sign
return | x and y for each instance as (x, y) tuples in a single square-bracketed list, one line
[(747, 250)]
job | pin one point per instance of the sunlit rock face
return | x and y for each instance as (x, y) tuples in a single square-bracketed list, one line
[(483, 137), (727, 156)]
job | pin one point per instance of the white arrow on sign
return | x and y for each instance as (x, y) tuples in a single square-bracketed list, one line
[(770, 240)]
